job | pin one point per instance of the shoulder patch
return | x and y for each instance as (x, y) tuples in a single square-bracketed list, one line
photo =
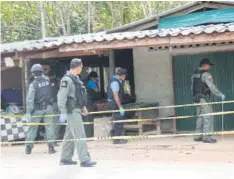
[(64, 84), (210, 78)]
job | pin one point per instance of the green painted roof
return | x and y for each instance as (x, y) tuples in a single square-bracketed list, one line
[(198, 18)]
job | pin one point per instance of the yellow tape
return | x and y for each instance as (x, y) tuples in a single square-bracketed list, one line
[(162, 107), (136, 120), (134, 109), (124, 137)]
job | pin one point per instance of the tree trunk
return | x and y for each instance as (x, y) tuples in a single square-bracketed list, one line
[(62, 21), (143, 8), (89, 17), (43, 28), (68, 19), (68, 25), (149, 8), (112, 12), (93, 15)]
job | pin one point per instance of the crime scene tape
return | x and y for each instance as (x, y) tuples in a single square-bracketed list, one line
[(136, 120), (124, 137), (163, 107), (133, 109)]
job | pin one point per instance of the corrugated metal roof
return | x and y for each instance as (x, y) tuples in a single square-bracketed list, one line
[(205, 4), (55, 42)]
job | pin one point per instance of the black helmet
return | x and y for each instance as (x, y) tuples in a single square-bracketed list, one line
[(36, 67)]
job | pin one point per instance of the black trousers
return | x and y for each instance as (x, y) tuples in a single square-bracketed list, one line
[(117, 128), (89, 128)]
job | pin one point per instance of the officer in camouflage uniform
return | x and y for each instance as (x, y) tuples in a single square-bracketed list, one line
[(72, 104), (202, 88), (39, 103)]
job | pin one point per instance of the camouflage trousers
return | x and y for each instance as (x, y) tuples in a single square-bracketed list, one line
[(38, 116), (75, 130), (204, 124)]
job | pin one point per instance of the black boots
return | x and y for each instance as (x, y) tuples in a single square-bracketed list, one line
[(209, 140), (28, 150), (88, 163), (51, 149), (68, 162), (119, 141), (198, 139)]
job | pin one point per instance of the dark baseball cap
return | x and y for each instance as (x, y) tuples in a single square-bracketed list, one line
[(121, 71), (93, 74), (75, 62), (205, 61)]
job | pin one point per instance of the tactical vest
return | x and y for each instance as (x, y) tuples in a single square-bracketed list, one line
[(54, 84), (80, 92), (44, 94), (110, 93), (200, 88)]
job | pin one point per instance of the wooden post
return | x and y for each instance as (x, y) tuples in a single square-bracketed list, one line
[(101, 78), (26, 80), (111, 63), (22, 66)]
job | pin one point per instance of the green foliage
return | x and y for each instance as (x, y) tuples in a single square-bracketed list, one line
[(22, 20)]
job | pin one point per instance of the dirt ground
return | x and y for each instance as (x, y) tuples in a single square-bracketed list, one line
[(177, 155), (182, 149)]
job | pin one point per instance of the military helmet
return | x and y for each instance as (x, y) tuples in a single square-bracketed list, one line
[(36, 67)]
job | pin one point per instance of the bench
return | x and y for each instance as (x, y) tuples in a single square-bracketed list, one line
[(154, 120)]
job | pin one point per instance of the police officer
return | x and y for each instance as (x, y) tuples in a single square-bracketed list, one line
[(202, 88), (115, 94), (55, 86), (71, 103), (94, 95), (39, 104)]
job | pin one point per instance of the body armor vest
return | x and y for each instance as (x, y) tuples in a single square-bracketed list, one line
[(200, 88), (80, 92), (43, 95), (110, 92)]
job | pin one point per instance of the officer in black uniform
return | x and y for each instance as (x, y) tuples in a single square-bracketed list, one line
[(202, 88), (54, 80), (39, 104), (93, 93), (115, 94)]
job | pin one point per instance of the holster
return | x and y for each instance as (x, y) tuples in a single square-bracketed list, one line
[(197, 98), (70, 105), (111, 105), (40, 106)]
